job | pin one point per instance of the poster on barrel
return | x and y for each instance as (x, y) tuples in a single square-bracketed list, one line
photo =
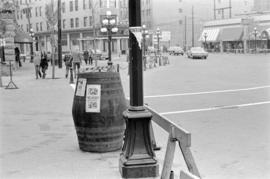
[(93, 98)]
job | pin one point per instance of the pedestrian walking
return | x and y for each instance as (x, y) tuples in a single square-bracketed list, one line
[(44, 64), (91, 57), (86, 56), (76, 62), (17, 58), (68, 62), (37, 60)]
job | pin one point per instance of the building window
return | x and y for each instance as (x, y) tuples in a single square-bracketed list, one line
[(84, 4), (102, 3), (37, 29), (85, 21), (30, 12), (40, 24), (20, 2), (90, 4), (48, 26), (180, 10), (71, 23), (70, 6), (18, 16), (77, 22), (27, 27), (63, 7), (39, 11), (90, 20), (64, 23), (36, 11), (112, 3), (76, 5)]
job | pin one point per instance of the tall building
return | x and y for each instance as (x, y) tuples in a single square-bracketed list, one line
[(81, 21), (261, 5)]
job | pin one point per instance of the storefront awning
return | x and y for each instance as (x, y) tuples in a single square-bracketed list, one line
[(231, 34), (209, 35), (22, 37)]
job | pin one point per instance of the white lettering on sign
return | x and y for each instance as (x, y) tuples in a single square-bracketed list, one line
[(93, 97), (81, 87), (137, 32)]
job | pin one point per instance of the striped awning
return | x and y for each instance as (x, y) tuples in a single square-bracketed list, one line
[(209, 35), (231, 34)]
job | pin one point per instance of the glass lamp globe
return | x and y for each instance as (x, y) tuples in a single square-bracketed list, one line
[(103, 29), (115, 29)]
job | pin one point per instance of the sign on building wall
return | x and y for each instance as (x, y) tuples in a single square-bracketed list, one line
[(165, 36)]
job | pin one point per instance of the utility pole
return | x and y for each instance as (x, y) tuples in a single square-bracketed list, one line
[(215, 10), (53, 44), (192, 26), (59, 35), (230, 7), (185, 34)]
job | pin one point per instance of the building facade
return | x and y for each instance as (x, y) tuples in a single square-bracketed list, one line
[(177, 17), (249, 33), (81, 21)]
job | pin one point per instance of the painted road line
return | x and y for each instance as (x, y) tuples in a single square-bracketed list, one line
[(216, 108), (208, 92)]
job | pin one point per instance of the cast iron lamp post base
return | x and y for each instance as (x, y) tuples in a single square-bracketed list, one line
[(137, 159)]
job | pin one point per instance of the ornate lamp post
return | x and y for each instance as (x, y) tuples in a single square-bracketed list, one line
[(144, 35), (137, 159), (205, 37), (158, 33), (32, 34), (255, 33), (109, 26)]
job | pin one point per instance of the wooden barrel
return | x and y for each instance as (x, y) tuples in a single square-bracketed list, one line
[(98, 105)]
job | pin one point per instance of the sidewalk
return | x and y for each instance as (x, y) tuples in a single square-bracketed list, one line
[(38, 138)]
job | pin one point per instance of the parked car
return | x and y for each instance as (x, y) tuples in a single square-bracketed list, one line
[(197, 52), (175, 50)]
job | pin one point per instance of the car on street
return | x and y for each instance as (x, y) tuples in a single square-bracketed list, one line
[(175, 50), (197, 52)]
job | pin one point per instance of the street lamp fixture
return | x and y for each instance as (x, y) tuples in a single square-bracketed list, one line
[(108, 24), (158, 34), (32, 34), (145, 35), (255, 33), (205, 37)]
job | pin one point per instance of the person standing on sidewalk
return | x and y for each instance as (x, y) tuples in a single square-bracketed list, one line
[(76, 62), (68, 62), (86, 56), (37, 59), (17, 58), (44, 64)]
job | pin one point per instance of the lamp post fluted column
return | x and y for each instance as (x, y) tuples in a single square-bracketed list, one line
[(108, 26), (137, 159)]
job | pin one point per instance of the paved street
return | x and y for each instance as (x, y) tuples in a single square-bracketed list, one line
[(223, 101)]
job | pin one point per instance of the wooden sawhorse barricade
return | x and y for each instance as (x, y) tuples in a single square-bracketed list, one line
[(183, 137)]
